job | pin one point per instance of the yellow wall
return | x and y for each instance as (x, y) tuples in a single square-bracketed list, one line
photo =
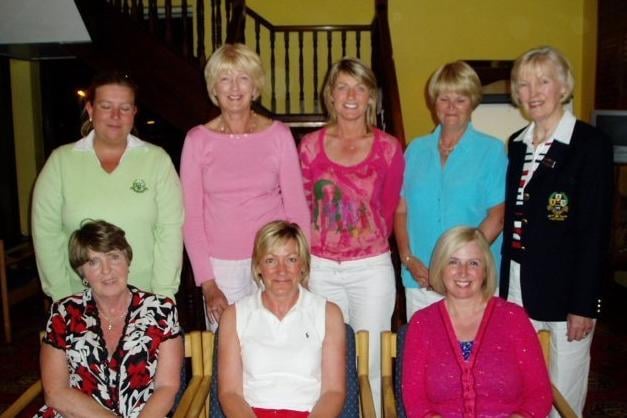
[(428, 33), (27, 128)]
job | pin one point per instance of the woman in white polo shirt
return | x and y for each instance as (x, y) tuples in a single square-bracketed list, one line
[(281, 351)]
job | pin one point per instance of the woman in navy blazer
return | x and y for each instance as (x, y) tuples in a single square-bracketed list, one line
[(557, 217)]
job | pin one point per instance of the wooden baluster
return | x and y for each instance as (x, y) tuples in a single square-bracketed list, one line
[(117, 4), (315, 71), (200, 32), (273, 70), (301, 75), (125, 7), (228, 5), (329, 47), (257, 31), (358, 43), (153, 17), (168, 22), (218, 22), (134, 9), (140, 11), (343, 43), (186, 33), (214, 33), (286, 39)]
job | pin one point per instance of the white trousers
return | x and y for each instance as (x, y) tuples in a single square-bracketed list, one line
[(234, 279), (419, 298), (365, 291), (570, 361)]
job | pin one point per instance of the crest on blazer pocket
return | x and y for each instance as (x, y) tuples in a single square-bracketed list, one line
[(558, 206)]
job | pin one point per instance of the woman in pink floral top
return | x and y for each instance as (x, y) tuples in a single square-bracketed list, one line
[(110, 350), (353, 174)]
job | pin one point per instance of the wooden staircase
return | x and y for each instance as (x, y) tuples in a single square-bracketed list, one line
[(166, 48)]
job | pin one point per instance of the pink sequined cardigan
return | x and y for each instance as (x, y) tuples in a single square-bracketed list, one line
[(504, 375)]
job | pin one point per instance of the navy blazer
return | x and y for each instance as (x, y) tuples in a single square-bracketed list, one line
[(567, 211)]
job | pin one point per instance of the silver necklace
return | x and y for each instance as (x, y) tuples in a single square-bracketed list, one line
[(115, 319)]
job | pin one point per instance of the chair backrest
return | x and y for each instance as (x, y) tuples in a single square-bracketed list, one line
[(351, 404), (392, 346), (199, 348)]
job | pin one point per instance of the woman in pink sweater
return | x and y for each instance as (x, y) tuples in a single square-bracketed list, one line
[(239, 171), (472, 354)]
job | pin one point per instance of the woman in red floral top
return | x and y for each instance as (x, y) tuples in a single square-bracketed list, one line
[(111, 350)]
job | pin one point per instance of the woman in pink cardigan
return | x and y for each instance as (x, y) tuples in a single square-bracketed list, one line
[(472, 354)]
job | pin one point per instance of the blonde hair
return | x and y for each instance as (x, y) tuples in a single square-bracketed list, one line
[(537, 59), (451, 241), (360, 72), (234, 57), (276, 234), (458, 77)]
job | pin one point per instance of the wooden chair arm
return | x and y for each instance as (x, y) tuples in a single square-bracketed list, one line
[(200, 398), (23, 401), (560, 403), (389, 401), (366, 400), (188, 397)]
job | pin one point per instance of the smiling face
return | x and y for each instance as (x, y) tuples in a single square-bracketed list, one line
[(350, 98), (112, 112), (234, 91), (106, 272), (281, 269), (453, 109), (465, 272), (540, 92)]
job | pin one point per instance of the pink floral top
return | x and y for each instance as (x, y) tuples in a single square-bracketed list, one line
[(352, 207), (505, 373)]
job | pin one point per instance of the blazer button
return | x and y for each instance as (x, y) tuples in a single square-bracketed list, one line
[(526, 196), (522, 247), (524, 220)]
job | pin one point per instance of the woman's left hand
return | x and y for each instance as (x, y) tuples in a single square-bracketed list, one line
[(579, 327)]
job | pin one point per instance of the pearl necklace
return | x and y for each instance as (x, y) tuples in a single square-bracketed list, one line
[(444, 150), (249, 128)]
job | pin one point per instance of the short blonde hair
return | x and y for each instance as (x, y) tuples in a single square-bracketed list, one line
[(234, 57), (458, 77), (359, 71), (539, 59), (451, 241), (276, 234)]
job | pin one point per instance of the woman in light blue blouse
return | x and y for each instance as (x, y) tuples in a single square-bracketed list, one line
[(453, 176)]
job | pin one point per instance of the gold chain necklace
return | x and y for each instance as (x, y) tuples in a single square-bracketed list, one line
[(115, 319), (249, 128)]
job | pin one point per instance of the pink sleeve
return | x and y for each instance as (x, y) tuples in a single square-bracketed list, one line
[(291, 183), (413, 378), (537, 397), (194, 236), (392, 186)]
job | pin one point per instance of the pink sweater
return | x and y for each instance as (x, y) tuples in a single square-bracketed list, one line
[(352, 207), (234, 185), (505, 373)]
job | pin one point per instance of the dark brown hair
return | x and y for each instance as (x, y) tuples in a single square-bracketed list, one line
[(99, 236)]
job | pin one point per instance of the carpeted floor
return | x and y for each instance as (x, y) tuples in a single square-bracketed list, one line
[(607, 395)]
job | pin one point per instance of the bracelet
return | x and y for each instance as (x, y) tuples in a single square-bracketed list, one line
[(406, 259)]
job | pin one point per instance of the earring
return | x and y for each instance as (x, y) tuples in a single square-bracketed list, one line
[(85, 282)]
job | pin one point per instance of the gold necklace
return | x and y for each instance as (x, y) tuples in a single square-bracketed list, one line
[(115, 319), (249, 128), (444, 150)]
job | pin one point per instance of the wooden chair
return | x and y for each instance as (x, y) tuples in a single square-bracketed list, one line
[(392, 348), (196, 387), (18, 280), (358, 390)]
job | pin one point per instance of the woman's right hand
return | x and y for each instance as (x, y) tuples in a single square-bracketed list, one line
[(418, 270), (215, 300)]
